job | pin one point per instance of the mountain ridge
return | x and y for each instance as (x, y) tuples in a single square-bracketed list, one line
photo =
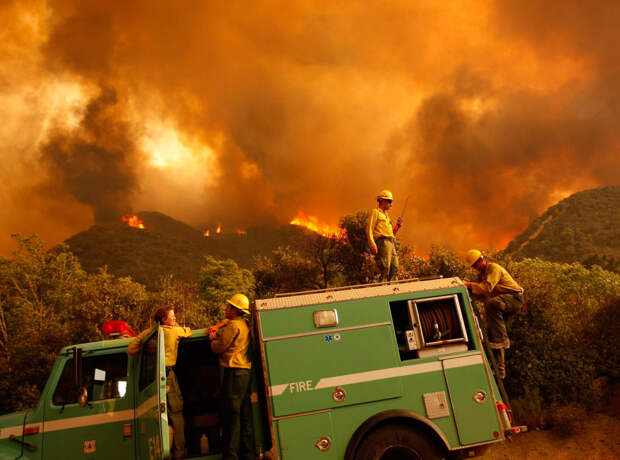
[(583, 227), (169, 246)]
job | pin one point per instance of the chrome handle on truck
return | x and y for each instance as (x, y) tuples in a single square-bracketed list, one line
[(480, 396), (339, 394), (323, 444)]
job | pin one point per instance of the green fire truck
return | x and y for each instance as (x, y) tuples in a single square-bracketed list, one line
[(386, 371)]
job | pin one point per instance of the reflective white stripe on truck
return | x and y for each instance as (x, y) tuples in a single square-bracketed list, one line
[(147, 405), (86, 420), (462, 362), (370, 376), (16, 430)]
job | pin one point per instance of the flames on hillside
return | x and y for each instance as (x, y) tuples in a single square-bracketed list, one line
[(134, 221), (218, 230), (313, 223), (302, 220)]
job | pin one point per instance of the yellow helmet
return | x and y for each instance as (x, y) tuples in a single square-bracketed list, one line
[(385, 195), (472, 256), (240, 302)]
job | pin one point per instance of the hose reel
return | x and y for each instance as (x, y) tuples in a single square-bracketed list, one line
[(436, 321)]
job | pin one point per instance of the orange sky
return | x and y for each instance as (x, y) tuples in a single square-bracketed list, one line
[(484, 113)]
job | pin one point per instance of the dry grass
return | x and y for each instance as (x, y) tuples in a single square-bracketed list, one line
[(599, 439)]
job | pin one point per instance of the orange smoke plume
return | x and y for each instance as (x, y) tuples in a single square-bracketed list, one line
[(134, 221), (313, 223), (482, 140)]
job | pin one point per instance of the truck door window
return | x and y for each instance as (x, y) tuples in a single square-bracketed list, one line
[(104, 376), (148, 364)]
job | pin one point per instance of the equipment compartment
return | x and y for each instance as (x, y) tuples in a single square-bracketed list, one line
[(426, 327)]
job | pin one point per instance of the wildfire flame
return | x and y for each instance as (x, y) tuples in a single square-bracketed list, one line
[(207, 233), (134, 221), (219, 228), (241, 231), (313, 223)]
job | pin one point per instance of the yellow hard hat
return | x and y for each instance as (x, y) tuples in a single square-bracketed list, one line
[(385, 195), (240, 302), (472, 256)]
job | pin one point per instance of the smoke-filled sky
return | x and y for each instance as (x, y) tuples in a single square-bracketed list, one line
[(484, 113)]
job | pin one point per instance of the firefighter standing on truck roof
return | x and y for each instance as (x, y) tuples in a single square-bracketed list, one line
[(380, 233), (502, 297), (165, 317), (232, 345)]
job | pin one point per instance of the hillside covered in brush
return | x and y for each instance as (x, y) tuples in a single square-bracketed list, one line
[(167, 246), (585, 228)]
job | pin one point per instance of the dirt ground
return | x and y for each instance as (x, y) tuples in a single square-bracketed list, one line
[(599, 440)]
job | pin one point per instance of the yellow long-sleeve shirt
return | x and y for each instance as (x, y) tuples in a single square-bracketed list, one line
[(172, 335), (495, 281), (379, 225), (232, 344)]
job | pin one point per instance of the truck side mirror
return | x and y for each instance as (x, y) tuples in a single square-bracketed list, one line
[(82, 398)]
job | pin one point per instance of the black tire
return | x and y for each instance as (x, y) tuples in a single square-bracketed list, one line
[(398, 442)]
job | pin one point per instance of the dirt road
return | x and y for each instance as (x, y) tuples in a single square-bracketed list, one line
[(599, 440)]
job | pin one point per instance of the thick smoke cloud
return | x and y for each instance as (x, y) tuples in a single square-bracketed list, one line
[(483, 113), (94, 163), (498, 168)]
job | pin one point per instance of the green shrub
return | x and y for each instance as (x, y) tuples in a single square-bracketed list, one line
[(567, 338), (47, 302), (528, 408)]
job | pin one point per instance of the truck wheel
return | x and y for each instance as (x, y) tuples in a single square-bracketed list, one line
[(398, 442)]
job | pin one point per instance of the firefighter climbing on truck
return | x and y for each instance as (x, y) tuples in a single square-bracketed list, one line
[(502, 297)]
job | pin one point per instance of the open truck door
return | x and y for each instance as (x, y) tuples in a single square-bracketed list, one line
[(152, 435)]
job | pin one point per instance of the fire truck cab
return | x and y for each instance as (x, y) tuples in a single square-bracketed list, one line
[(117, 408), (383, 371)]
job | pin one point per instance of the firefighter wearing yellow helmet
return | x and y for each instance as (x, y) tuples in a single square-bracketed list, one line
[(380, 234), (231, 344), (502, 297)]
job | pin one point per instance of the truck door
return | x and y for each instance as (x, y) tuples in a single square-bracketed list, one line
[(102, 428), (471, 397), (151, 407)]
